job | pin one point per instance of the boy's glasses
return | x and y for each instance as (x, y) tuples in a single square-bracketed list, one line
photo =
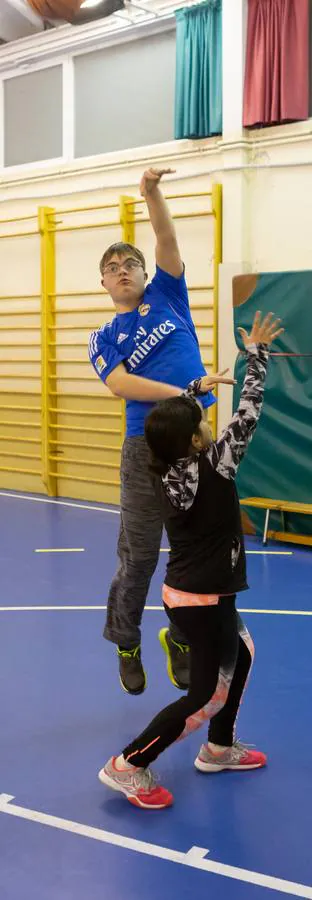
[(129, 265)]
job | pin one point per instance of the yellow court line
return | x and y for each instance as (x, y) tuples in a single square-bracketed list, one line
[(62, 550), (253, 552)]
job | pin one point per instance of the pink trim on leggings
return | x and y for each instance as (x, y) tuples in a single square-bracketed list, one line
[(173, 598)]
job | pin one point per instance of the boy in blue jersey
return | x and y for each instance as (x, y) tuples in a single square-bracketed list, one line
[(147, 353)]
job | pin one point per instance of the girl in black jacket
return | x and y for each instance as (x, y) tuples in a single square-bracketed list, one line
[(206, 569)]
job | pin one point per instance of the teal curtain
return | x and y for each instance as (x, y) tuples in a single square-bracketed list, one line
[(198, 97)]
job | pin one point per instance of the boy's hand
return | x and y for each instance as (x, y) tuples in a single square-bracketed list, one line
[(209, 381), (262, 332), (151, 179)]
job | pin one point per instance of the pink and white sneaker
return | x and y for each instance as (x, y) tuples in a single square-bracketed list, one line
[(238, 758), (138, 785)]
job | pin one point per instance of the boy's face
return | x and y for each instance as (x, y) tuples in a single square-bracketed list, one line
[(124, 279)]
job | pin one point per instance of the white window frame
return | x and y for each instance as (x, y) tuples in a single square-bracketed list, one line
[(18, 73), (67, 63)]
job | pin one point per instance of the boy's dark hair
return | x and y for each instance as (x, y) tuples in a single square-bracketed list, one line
[(121, 249), (169, 428)]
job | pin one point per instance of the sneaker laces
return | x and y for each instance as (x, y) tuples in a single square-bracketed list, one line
[(146, 780), (242, 744), (129, 654), (240, 748), (184, 648)]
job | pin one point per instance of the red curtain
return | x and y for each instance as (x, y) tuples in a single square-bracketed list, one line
[(277, 62)]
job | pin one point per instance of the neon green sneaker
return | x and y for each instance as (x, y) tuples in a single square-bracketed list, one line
[(177, 660)]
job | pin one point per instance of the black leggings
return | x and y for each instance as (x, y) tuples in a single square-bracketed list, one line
[(221, 655)]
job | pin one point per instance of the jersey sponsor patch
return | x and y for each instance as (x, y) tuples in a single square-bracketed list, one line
[(151, 340), (100, 364)]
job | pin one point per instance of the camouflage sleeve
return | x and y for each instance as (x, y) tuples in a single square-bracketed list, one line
[(193, 389), (226, 453)]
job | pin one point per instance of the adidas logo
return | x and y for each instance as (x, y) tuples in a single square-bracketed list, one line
[(122, 337)]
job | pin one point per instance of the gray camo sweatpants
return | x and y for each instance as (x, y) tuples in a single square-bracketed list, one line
[(138, 547)]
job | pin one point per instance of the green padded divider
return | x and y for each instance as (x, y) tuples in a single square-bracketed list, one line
[(278, 463)]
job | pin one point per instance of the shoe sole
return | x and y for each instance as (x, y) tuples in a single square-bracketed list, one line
[(104, 778), (134, 693), (210, 767), (164, 645)]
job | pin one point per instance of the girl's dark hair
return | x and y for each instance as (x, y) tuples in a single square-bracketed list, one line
[(169, 428)]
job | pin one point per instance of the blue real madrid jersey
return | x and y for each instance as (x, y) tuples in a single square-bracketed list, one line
[(157, 340)]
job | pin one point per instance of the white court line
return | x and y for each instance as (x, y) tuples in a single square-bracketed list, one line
[(270, 552), (165, 550), (264, 612), (253, 552), (115, 512), (61, 550), (194, 858), (278, 612), (56, 608)]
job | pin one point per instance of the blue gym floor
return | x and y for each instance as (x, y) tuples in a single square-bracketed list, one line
[(63, 836)]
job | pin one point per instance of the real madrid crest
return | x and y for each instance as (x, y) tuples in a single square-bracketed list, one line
[(144, 309)]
